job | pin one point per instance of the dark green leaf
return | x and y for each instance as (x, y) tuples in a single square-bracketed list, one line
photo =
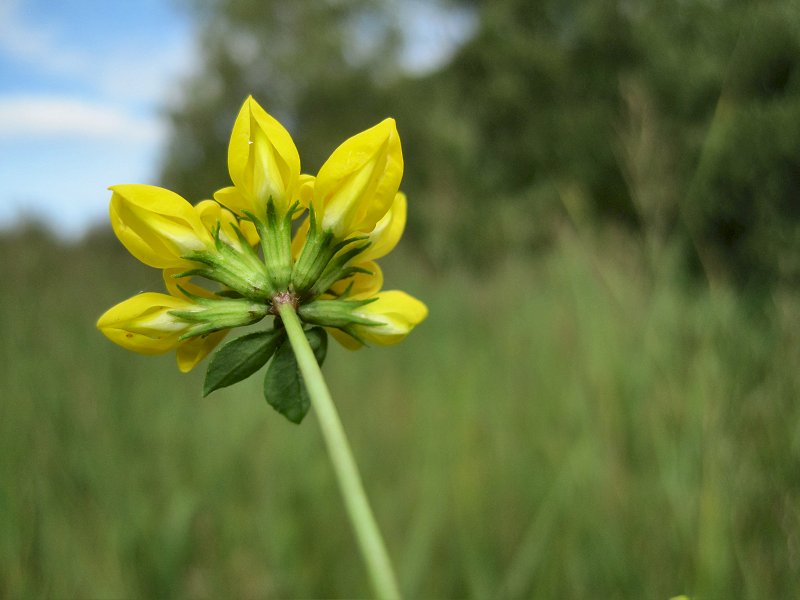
[(284, 389), (318, 338), (240, 358)]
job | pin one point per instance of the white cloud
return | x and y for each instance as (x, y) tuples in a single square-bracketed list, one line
[(41, 116)]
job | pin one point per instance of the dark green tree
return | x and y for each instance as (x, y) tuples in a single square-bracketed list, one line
[(679, 120)]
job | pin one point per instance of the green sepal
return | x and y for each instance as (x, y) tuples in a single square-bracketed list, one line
[(335, 313), (276, 243), (238, 359), (284, 389), (337, 269), (216, 314), (237, 269), (317, 251), (191, 273)]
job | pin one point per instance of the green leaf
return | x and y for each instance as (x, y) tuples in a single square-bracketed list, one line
[(284, 389), (318, 338), (240, 358)]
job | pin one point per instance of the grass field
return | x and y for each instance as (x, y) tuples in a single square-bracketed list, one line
[(568, 426)]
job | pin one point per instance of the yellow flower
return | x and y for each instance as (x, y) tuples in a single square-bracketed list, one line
[(357, 184), (144, 324), (164, 231), (263, 163), (327, 273), (382, 239), (157, 226), (395, 314), (190, 319)]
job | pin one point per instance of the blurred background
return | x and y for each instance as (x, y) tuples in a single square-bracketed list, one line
[(604, 219)]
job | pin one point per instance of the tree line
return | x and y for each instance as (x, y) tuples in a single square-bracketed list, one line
[(677, 121)]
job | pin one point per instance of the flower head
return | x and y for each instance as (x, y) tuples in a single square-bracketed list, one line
[(241, 244)]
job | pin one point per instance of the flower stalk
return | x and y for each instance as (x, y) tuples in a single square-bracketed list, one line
[(370, 541)]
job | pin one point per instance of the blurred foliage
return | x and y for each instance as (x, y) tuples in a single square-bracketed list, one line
[(679, 120), (568, 426), (575, 422)]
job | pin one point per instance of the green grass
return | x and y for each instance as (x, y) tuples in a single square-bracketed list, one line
[(570, 426)]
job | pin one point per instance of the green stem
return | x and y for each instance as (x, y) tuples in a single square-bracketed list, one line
[(368, 535)]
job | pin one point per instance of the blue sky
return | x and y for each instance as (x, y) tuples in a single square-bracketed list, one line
[(84, 85)]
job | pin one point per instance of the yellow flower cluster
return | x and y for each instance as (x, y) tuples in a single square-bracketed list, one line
[(250, 243)]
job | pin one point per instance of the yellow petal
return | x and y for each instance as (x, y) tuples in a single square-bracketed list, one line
[(262, 159), (397, 312), (157, 226), (250, 232), (364, 285), (134, 243), (143, 323), (357, 184), (388, 231), (193, 350), (232, 199), (346, 340), (172, 283), (299, 239), (306, 193), (212, 214)]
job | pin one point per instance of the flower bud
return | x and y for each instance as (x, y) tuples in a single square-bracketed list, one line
[(153, 323), (357, 184), (395, 314), (262, 160), (145, 325), (157, 226)]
